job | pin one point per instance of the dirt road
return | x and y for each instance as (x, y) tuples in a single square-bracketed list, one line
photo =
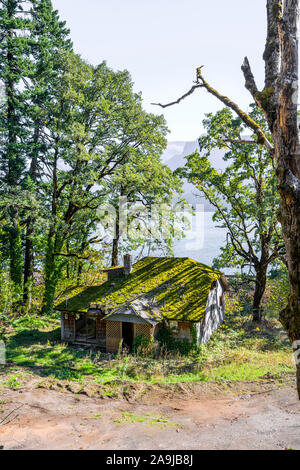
[(49, 419)]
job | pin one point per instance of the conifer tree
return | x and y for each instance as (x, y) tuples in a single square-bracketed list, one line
[(49, 40), (14, 66)]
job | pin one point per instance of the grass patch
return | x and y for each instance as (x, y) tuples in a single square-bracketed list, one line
[(147, 419)]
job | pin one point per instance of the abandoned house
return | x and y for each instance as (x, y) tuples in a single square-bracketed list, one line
[(140, 300)]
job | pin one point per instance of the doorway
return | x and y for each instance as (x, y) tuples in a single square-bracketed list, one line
[(127, 335)]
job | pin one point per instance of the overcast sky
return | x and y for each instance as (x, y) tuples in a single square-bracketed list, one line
[(161, 42)]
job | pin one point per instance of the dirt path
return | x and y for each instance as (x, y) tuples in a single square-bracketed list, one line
[(49, 419)]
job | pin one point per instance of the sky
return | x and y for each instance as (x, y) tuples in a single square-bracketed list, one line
[(162, 42)]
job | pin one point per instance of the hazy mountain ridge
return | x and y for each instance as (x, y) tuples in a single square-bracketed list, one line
[(174, 157)]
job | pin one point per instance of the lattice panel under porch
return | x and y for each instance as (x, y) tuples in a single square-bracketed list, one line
[(113, 335), (142, 329)]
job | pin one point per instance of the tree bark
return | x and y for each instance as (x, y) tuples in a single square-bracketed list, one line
[(28, 265), (260, 287), (29, 249), (50, 269), (287, 154)]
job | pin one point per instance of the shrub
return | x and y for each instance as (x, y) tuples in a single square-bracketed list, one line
[(143, 346), (169, 343)]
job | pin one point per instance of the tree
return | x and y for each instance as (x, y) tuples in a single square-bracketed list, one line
[(143, 181), (32, 41), (14, 65), (244, 196), (97, 125), (49, 39), (278, 100)]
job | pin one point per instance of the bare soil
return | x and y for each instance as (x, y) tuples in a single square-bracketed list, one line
[(189, 416)]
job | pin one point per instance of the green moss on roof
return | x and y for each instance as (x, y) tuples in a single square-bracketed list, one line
[(179, 285), (112, 268)]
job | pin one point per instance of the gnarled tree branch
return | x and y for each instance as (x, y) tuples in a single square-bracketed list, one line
[(262, 139), (179, 99), (202, 83)]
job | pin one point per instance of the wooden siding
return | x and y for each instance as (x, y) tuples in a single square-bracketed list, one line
[(101, 331), (68, 326), (184, 330)]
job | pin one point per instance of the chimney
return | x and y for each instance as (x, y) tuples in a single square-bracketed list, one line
[(127, 264)]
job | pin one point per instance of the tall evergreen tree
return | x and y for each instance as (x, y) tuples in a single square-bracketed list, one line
[(14, 66), (49, 40), (33, 39)]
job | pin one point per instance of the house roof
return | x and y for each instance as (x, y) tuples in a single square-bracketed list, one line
[(177, 287), (134, 312)]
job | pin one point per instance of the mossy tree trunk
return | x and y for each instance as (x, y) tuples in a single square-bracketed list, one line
[(260, 287), (52, 268), (279, 101)]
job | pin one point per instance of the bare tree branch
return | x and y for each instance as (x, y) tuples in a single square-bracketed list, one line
[(262, 139), (181, 98), (202, 83), (250, 80)]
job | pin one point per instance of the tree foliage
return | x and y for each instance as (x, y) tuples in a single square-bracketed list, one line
[(244, 195)]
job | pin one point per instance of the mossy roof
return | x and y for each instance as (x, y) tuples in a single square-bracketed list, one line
[(180, 287)]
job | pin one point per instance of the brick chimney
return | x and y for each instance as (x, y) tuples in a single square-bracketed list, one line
[(127, 264)]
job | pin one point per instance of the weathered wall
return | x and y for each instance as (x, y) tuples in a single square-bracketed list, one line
[(101, 331), (214, 314), (184, 330), (67, 326), (114, 334)]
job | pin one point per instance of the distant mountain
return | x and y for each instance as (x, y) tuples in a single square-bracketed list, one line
[(174, 157)]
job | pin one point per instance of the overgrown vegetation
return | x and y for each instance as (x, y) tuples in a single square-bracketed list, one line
[(238, 351)]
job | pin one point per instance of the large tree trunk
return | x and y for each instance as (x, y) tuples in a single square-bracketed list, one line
[(279, 101), (287, 154), (28, 265), (260, 287), (15, 244), (29, 248), (52, 272), (290, 316), (50, 268)]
